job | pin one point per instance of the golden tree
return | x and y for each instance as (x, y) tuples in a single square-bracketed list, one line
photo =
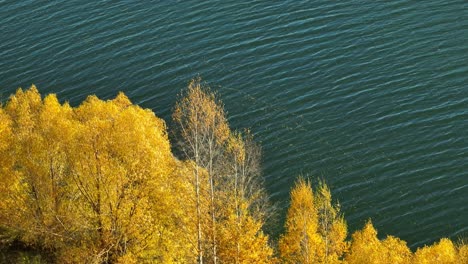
[(10, 186), (203, 129), (232, 163), (96, 183), (443, 252), (242, 239), (315, 230), (463, 252), (40, 134), (395, 251), (367, 248), (241, 162), (299, 243), (331, 225), (124, 174)]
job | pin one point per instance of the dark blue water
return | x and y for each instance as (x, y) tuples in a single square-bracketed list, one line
[(372, 96)]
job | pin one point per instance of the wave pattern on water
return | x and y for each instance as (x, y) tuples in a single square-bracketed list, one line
[(371, 96)]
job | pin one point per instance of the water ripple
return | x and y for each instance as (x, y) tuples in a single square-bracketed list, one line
[(370, 96)]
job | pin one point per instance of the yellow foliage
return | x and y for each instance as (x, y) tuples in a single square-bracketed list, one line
[(242, 240), (365, 246), (123, 172), (331, 226), (301, 240), (396, 251), (463, 253), (315, 232), (203, 131), (93, 183), (232, 182), (7, 183), (201, 117), (98, 183), (235, 146), (5, 131), (443, 252)]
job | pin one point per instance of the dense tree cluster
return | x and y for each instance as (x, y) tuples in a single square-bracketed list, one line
[(316, 233), (98, 183), (94, 183)]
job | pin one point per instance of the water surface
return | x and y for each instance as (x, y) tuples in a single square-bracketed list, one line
[(372, 96)]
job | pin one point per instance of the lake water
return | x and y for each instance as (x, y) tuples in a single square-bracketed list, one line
[(372, 96)]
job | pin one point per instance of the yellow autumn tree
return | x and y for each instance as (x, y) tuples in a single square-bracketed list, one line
[(96, 183), (443, 252), (234, 181), (463, 252), (124, 174), (396, 250), (367, 248), (331, 226), (241, 237), (10, 186), (202, 130), (315, 230), (299, 243), (39, 129), (242, 166)]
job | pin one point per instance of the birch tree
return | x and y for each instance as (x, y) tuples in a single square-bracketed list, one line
[(202, 129), (232, 161), (315, 230)]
